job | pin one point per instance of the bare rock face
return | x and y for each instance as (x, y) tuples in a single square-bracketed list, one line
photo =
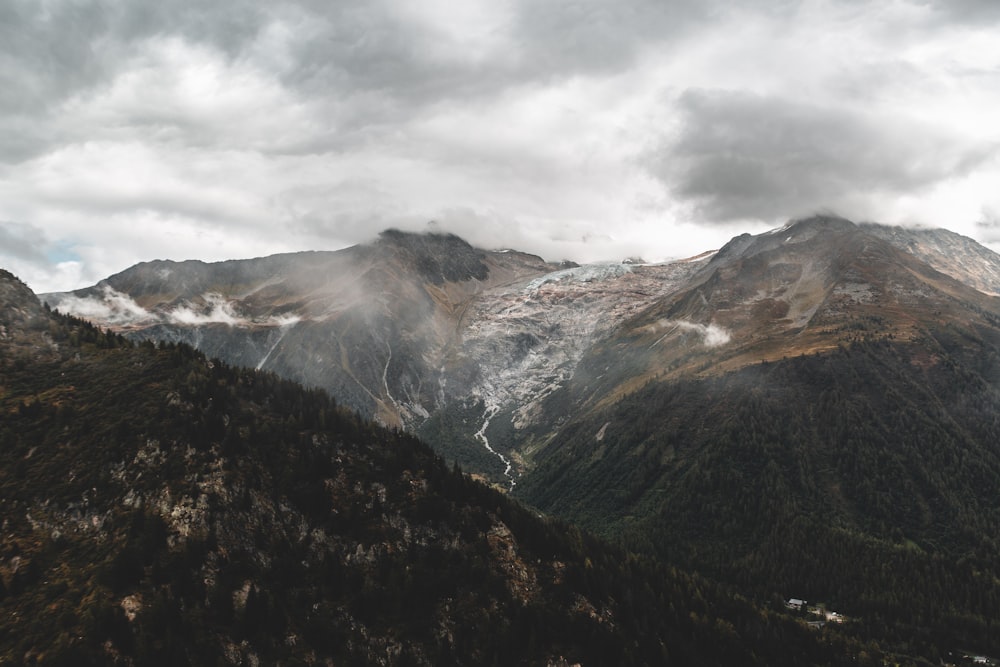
[(370, 323)]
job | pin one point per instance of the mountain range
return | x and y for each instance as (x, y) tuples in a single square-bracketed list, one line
[(809, 412), (164, 508), (464, 346)]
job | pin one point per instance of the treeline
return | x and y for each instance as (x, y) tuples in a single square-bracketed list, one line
[(163, 508)]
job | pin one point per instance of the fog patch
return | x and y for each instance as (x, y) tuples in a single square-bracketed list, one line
[(217, 310), (117, 309), (284, 320), (712, 335), (114, 308)]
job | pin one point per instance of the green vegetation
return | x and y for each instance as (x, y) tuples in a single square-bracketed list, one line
[(162, 508), (868, 478), (453, 429)]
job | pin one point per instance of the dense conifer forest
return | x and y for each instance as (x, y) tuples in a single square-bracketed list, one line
[(868, 478), (163, 508)]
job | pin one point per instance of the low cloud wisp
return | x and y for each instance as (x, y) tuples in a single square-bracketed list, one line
[(116, 308)]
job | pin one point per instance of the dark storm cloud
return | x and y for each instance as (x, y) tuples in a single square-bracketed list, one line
[(46, 55), (376, 63), (741, 155), (594, 35), (965, 11), (369, 63), (22, 242)]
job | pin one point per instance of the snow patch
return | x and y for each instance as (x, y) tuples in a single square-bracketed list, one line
[(582, 274)]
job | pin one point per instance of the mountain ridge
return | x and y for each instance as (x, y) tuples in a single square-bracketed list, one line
[(777, 393), (846, 419), (412, 326), (163, 508)]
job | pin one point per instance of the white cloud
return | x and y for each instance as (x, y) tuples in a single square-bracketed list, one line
[(712, 334), (179, 129), (216, 310), (112, 307)]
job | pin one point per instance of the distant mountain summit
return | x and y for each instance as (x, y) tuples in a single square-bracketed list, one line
[(437, 258), (812, 403)]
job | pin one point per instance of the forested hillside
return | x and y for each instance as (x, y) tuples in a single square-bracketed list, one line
[(868, 477), (161, 508)]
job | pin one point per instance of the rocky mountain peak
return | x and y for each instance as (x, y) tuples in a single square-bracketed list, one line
[(12, 291), (797, 231), (820, 223), (438, 258)]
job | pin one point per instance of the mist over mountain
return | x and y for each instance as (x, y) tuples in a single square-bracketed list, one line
[(788, 413), (162, 508), (464, 345), (399, 330), (842, 442)]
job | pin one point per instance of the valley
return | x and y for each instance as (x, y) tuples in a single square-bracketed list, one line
[(811, 410), (164, 508)]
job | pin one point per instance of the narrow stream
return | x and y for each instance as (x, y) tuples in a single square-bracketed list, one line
[(488, 415)]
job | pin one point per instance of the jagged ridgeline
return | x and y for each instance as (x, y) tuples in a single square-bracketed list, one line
[(160, 508)]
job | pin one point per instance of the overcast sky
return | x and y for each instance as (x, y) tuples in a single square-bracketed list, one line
[(583, 129)]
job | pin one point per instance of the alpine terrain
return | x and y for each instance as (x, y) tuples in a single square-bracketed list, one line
[(162, 508), (807, 413)]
